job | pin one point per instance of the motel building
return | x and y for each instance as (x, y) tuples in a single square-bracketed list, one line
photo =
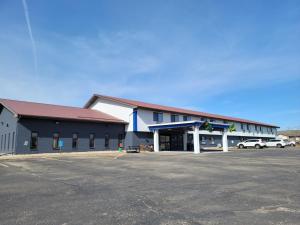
[(106, 123)]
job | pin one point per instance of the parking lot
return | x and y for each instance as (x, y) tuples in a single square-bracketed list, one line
[(240, 187)]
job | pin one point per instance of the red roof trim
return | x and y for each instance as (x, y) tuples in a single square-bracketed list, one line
[(41, 110), (157, 107)]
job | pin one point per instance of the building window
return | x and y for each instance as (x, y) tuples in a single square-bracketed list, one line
[(225, 121), (92, 141), (260, 128), (242, 127), (75, 141), (174, 118), (212, 120), (8, 141), (106, 141), (255, 127), (248, 127), (187, 118), (13, 141), (55, 144), (4, 141), (34, 140), (158, 117), (120, 140), (203, 119)]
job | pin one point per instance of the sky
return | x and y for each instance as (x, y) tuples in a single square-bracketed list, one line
[(236, 58)]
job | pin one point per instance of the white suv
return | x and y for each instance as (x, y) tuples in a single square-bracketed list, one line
[(277, 143), (256, 143)]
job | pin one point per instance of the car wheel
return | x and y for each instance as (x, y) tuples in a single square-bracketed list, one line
[(257, 146), (293, 145), (241, 146), (279, 146)]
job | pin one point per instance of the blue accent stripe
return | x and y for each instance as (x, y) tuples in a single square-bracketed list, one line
[(157, 127), (135, 127)]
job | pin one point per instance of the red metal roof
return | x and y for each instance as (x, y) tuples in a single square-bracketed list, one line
[(40, 110), (173, 110)]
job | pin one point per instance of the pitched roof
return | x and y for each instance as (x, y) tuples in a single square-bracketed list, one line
[(157, 107), (40, 110)]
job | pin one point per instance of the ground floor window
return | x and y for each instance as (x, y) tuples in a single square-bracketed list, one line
[(120, 140), (4, 142), (34, 140), (92, 141), (8, 141), (106, 141), (75, 141), (13, 141), (55, 144), (1, 142)]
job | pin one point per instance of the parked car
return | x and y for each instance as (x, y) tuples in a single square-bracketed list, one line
[(292, 143), (256, 143), (277, 143)]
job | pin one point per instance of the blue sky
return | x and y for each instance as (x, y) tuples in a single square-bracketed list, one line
[(238, 58)]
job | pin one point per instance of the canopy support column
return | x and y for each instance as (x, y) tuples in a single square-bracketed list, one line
[(196, 140), (156, 140), (225, 141)]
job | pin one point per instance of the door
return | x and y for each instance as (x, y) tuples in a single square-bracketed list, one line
[(176, 142)]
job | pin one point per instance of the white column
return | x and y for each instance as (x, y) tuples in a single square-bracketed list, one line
[(185, 141), (156, 140), (196, 140), (225, 141)]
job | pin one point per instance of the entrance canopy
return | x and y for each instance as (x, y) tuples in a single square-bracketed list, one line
[(186, 124), (194, 125)]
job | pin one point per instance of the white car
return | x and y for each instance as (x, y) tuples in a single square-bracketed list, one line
[(256, 143), (292, 143), (277, 143)]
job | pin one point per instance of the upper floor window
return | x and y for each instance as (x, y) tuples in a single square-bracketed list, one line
[(187, 118), (203, 119), (212, 120), (248, 127), (256, 127), (260, 128), (225, 121), (174, 118), (158, 117), (34, 140), (242, 126)]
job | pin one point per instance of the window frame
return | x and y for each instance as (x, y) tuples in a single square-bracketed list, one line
[(106, 140), (53, 143), (174, 117), (37, 140), (186, 118), (93, 141), (158, 117), (76, 140)]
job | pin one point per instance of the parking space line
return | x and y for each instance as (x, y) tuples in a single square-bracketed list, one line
[(63, 160), (1, 164)]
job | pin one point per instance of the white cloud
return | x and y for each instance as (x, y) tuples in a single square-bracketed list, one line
[(133, 64)]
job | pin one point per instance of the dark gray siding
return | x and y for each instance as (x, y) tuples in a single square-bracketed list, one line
[(8, 124), (46, 127), (137, 138)]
